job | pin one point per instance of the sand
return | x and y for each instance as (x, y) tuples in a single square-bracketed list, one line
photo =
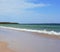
[(23, 41), (47, 35), (4, 47)]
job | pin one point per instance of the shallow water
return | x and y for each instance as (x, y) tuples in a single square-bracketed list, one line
[(28, 42), (48, 27)]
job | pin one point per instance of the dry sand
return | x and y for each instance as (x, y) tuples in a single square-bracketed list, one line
[(4, 47)]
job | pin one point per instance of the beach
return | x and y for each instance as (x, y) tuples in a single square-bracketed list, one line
[(25, 41), (4, 47)]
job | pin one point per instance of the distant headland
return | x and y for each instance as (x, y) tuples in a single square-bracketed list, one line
[(8, 23), (30, 23)]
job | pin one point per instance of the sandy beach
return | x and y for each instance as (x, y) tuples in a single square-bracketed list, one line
[(4, 47), (21, 41)]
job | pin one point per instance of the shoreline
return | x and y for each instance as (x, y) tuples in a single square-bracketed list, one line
[(30, 30), (39, 33), (26, 41)]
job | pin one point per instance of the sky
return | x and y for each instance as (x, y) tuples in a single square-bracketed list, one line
[(30, 11)]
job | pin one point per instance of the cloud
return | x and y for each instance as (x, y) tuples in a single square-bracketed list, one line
[(33, 5), (18, 4), (16, 9)]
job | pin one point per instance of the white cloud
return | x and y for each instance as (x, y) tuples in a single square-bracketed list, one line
[(6, 5), (32, 5), (15, 9)]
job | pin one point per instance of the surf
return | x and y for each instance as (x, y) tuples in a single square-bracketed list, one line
[(30, 30)]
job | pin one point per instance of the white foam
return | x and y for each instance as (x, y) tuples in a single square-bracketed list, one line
[(30, 30)]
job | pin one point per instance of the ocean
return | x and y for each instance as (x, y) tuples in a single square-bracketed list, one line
[(51, 28)]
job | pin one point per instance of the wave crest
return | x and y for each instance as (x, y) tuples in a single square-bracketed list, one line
[(30, 30)]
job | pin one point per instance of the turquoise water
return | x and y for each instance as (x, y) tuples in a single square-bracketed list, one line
[(50, 27)]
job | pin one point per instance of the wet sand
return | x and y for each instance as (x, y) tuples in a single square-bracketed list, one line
[(20, 41), (47, 35)]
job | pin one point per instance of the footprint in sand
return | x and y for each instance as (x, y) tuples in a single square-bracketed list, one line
[(4, 47)]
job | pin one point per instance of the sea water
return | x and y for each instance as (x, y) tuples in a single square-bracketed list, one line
[(44, 28)]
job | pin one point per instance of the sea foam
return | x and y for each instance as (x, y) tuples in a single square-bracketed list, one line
[(30, 30)]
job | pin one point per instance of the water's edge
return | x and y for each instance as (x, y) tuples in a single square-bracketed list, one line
[(30, 30)]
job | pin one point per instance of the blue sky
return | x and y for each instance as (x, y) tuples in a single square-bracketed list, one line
[(30, 11)]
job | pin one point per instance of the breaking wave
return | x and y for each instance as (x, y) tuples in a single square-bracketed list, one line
[(30, 30)]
